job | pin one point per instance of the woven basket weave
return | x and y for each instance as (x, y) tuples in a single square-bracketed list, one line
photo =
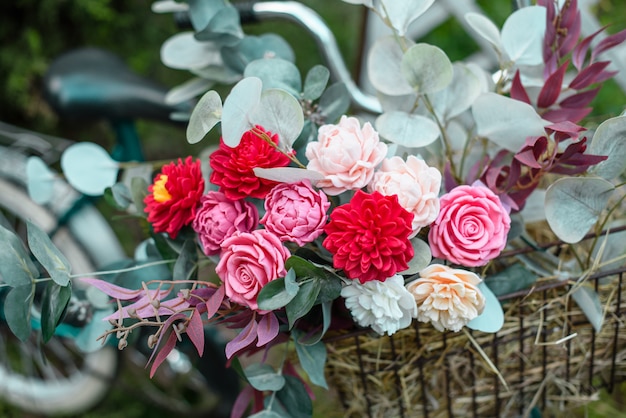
[(420, 372)]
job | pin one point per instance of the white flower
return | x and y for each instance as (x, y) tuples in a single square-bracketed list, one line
[(385, 306), (447, 297)]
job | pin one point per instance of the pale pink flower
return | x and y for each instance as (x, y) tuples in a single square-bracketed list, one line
[(446, 297), (296, 212), (249, 261), (471, 228), (346, 155), (416, 185), (219, 217)]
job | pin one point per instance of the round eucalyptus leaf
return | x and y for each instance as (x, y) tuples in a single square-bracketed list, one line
[(523, 33), (334, 102), (223, 28), (89, 168), (276, 73), (610, 140), (505, 121), (168, 6), (408, 130), (238, 107), (459, 95), (402, 13), (280, 113), (287, 174), (40, 180), (384, 68), (188, 90), (426, 68), (218, 73), (182, 52), (252, 48), (204, 117), (492, 317), (485, 28), (574, 204), (421, 258), (315, 82)]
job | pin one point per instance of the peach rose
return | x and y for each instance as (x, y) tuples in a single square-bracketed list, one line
[(346, 155), (471, 228), (416, 185), (447, 297)]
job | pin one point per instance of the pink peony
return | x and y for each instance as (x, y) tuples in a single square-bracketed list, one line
[(416, 185), (346, 155), (295, 212), (471, 228), (219, 217), (249, 261)]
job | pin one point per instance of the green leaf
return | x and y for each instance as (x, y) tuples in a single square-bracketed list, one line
[(426, 68), (402, 13), (610, 140), (87, 340), (186, 262), (310, 339), (315, 82), (184, 52), (334, 102), (278, 293), (412, 131), (276, 73), (253, 48), (118, 196), (295, 398), (459, 95), (485, 28), (267, 414), (302, 303), (384, 67), (223, 28), (48, 255), (589, 302), (262, 376), (280, 113), (574, 204), (89, 168), (421, 258), (511, 279), (54, 303), (40, 180), (523, 34), (17, 305), (16, 268), (139, 191), (205, 115), (492, 318), (238, 107), (188, 90), (312, 359)]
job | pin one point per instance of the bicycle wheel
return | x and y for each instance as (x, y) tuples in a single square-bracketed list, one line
[(55, 377)]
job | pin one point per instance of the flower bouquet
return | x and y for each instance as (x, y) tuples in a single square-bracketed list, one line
[(451, 254)]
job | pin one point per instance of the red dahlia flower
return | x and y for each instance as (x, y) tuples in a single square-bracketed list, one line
[(368, 237), (174, 196), (233, 167)]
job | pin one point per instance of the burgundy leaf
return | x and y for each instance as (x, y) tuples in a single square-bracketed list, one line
[(608, 43), (588, 75), (449, 182), (562, 115), (518, 92), (580, 52), (552, 87), (143, 308), (245, 337), (112, 290), (214, 302), (573, 33), (475, 169), (579, 100), (527, 157), (268, 329), (242, 402), (195, 330), (605, 75), (163, 353), (201, 294)]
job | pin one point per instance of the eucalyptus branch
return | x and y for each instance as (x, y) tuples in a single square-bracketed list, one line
[(124, 270), (603, 225), (444, 136)]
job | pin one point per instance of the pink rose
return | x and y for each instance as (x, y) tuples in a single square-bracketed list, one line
[(471, 228), (416, 185), (295, 212), (249, 261), (219, 217), (346, 155)]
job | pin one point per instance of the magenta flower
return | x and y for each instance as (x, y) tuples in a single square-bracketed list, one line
[(296, 212), (219, 217)]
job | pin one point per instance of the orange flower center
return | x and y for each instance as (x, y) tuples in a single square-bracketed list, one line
[(159, 191)]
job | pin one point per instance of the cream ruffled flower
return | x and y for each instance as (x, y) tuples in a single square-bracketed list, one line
[(385, 306), (446, 297)]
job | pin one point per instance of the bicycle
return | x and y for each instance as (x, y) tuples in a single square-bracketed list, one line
[(77, 373)]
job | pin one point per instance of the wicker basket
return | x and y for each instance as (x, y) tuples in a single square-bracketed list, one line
[(547, 354)]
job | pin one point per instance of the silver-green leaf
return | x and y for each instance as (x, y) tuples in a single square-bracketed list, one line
[(405, 129), (610, 140), (426, 68), (48, 255), (238, 107), (205, 116)]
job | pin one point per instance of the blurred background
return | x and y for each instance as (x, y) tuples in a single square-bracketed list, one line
[(34, 32)]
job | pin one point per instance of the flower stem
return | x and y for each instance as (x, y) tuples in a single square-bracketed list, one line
[(444, 137), (259, 133)]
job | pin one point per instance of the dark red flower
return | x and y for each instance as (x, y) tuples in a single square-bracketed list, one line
[(368, 237), (174, 196), (233, 167)]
